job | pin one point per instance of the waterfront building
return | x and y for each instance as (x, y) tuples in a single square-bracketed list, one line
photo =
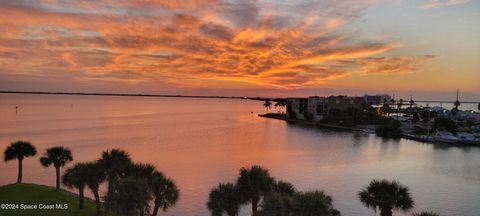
[(316, 108)]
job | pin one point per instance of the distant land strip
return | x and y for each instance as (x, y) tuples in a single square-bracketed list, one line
[(118, 94), (182, 96)]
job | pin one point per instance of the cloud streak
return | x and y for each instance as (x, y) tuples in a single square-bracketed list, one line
[(432, 4)]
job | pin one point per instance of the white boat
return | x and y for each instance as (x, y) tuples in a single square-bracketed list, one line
[(445, 137), (418, 137), (369, 131), (468, 138)]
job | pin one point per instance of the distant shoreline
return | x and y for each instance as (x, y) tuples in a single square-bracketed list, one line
[(119, 94), (181, 96)]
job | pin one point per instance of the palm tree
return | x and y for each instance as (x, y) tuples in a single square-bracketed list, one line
[(129, 195), (386, 196), (400, 104), (314, 203), (144, 173), (425, 214), (275, 204), (284, 188), (224, 198), (19, 150), (75, 177), (58, 157), (114, 163), (267, 105), (94, 176), (253, 183), (165, 192), (299, 204)]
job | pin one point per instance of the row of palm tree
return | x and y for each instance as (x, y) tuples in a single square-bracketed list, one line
[(255, 187), (131, 186), (279, 104), (55, 156)]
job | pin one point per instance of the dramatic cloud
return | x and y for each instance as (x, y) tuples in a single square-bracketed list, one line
[(189, 43), (382, 65), (442, 3)]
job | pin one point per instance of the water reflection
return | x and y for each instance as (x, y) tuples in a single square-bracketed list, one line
[(201, 142)]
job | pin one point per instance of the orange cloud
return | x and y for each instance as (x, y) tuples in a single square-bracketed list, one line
[(382, 65), (442, 3), (187, 43)]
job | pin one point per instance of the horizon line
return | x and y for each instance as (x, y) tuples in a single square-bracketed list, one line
[(179, 95)]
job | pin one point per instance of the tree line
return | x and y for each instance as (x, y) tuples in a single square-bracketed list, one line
[(270, 197), (131, 186)]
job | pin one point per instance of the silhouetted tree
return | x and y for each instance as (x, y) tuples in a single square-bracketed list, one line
[(129, 194), (267, 105), (19, 150), (386, 196), (284, 187), (278, 204), (299, 204), (390, 129), (57, 156), (95, 175), (253, 183), (75, 177), (114, 163), (165, 192), (224, 198), (144, 173), (400, 104), (314, 203)]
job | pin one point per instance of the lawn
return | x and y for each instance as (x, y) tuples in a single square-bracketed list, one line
[(41, 197)]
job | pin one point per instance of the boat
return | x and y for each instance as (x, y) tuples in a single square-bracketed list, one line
[(419, 137), (445, 137), (368, 130), (468, 138)]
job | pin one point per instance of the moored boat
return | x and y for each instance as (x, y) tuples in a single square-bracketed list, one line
[(445, 137), (468, 138)]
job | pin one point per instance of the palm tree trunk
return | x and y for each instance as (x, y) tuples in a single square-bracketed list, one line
[(57, 172), (81, 197), (107, 202), (97, 201), (254, 206), (20, 167), (385, 212), (155, 210)]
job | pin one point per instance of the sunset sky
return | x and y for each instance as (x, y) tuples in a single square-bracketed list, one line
[(248, 47)]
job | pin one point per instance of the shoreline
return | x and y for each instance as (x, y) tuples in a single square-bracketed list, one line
[(312, 123), (123, 95), (407, 136)]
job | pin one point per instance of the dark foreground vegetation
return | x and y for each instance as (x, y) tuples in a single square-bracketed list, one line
[(140, 189), (270, 197), (36, 194), (132, 187)]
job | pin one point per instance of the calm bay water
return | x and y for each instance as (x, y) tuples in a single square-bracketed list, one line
[(202, 142)]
